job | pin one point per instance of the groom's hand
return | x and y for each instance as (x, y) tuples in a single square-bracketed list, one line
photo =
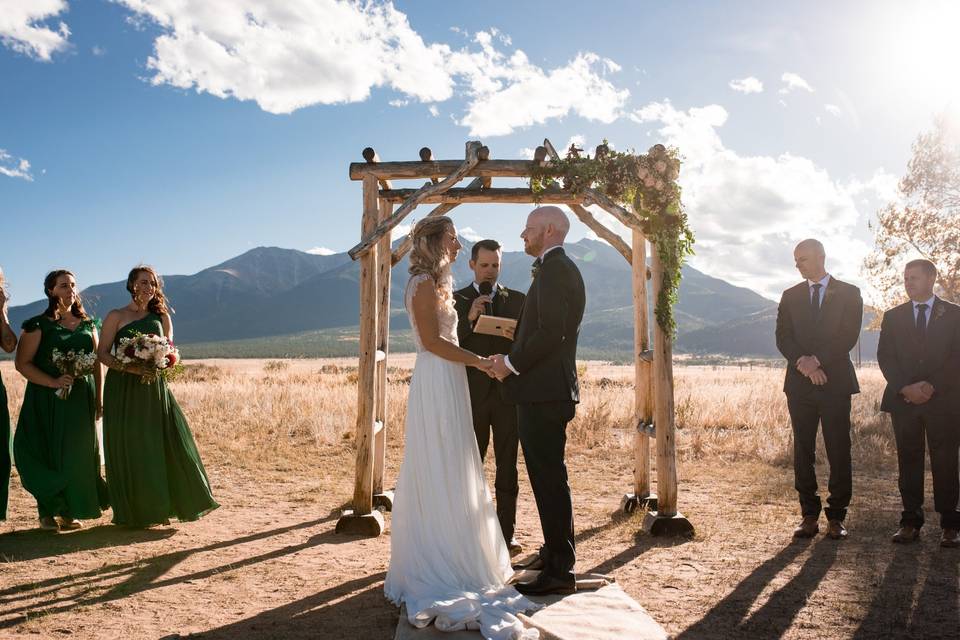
[(499, 370)]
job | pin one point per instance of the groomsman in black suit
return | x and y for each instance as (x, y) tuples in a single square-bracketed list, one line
[(818, 323), (541, 378), (919, 354), (490, 410)]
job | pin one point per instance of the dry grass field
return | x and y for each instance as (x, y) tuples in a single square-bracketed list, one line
[(276, 437)]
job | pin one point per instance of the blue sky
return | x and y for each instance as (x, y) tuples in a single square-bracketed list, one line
[(182, 134)]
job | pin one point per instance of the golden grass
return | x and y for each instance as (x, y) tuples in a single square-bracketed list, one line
[(258, 414)]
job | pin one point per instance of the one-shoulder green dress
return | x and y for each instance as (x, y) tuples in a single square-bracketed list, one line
[(55, 445), (153, 467), (5, 452)]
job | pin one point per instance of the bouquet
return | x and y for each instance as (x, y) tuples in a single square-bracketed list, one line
[(152, 352), (73, 363)]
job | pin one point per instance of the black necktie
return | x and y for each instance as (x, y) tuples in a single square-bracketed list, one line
[(922, 321), (815, 298)]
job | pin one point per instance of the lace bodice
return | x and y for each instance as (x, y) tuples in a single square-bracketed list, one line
[(446, 314)]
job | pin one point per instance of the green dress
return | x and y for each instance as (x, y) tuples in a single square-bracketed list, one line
[(55, 445), (153, 467), (4, 450)]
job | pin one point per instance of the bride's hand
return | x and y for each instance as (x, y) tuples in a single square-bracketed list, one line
[(485, 365)]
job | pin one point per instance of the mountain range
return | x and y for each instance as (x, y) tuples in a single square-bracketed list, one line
[(287, 298)]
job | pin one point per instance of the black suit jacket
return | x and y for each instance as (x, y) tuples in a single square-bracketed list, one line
[(544, 351), (829, 337), (507, 304), (905, 359)]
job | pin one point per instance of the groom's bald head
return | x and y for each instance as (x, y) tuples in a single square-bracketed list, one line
[(546, 227)]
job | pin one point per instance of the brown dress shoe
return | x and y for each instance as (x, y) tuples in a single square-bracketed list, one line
[(836, 530), (807, 528), (906, 534), (69, 524), (47, 523), (950, 538)]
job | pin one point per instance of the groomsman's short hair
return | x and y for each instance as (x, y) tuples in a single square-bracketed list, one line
[(489, 245), (928, 267)]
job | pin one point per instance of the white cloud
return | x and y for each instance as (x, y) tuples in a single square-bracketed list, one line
[(321, 251), (748, 212), (434, 111), (747, 85), (98, 51), (22, 27), (526, 153), (14, 167), (793, 82), (306, 52), (470, 234), (399, 103), (833, 110), (400, 231)]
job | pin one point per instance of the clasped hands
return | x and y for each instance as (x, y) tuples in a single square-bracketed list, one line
[(495, 366), (918, 392), (810, 367)]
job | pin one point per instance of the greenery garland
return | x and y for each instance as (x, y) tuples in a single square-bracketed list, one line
[(645, 184)]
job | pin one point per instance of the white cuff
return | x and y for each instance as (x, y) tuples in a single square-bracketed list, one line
[(506, 361)]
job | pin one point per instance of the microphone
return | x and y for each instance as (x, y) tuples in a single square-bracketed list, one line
[(486, 289)]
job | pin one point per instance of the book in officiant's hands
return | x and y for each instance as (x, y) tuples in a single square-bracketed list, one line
[(495, 326)]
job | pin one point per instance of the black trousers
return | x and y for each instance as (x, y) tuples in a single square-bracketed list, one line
[(493, 413), (911, 428), (807, 412), (543, 436)]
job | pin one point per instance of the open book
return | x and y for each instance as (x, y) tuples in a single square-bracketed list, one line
[(495, 326)]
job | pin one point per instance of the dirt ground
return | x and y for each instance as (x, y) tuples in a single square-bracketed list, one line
[(268, 564)]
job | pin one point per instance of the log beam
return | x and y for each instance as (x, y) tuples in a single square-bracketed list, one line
[(415, 198), (597, 227), (371, 157), (362, 519), (419, 169), (384, 267), (495, 195)]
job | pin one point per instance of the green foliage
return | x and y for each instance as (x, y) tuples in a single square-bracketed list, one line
[(643, 184)]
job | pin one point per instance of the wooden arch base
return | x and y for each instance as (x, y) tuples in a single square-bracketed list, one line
[(673, 526), (369, 524)]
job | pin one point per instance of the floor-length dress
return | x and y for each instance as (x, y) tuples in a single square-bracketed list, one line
[(153, 466), (448, 560), (5, 445), (55, 445)]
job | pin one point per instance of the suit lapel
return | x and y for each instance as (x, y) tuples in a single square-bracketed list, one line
[(828, 297)]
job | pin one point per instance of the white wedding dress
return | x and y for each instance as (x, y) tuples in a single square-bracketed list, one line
[(448, 561)]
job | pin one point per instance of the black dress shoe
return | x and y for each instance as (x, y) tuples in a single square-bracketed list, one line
[(546, 585), (534, 563)]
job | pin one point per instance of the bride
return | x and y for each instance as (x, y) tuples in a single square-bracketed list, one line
[(448, 561)]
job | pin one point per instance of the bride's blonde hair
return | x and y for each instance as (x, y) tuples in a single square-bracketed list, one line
[(428, 255)]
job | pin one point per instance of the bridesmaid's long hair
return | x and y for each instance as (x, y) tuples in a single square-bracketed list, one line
[(429, 257), (53, 302), (158, 303)]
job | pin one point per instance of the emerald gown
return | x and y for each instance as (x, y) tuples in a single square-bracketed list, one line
[(153, 467), (4, 450), (55, 444)]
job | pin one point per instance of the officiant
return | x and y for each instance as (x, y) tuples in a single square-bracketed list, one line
[(485, 296)]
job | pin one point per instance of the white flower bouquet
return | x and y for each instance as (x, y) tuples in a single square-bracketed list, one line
[(73, 363), (152, 352)]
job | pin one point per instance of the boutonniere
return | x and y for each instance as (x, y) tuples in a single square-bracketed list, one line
[(535, 268), (503, 293), (938, 311)]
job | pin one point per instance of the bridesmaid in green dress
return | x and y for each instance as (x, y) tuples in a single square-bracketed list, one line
[(55, 445), (8, 342), (153, 467)]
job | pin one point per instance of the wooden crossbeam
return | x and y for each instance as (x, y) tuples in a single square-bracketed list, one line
[(415, 198), (372, 158), (440, 210), (625, 217), (597, 227), (419, 169), (495, 195)]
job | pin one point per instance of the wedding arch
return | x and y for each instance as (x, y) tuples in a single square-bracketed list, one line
[(609, 180)]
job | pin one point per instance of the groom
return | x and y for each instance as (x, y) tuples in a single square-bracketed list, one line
[(540, 376)]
